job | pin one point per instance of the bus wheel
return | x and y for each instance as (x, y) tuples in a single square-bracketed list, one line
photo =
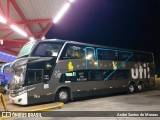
[(131, 88), (63, 96), (140, 87)]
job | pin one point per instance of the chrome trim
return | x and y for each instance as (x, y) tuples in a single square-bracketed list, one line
[(61, 51), (31, 89)]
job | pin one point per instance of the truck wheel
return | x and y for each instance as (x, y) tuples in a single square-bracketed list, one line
[(63, 96), (131, 88), (140, 87)]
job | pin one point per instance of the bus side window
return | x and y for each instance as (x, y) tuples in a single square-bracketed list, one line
[(91, 76), (62, 78), (107, 73), (99, 75), (39, 74), (100, 55), (95, 75), (124, 56), (110, 55), (73, 52), (147, 57), (68, 77), (47, 49)]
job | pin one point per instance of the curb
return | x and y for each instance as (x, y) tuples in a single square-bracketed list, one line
[(59, 106)]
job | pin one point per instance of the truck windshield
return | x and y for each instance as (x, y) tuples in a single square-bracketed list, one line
[(47, 49)]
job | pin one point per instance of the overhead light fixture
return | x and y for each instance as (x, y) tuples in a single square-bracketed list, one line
[(1, 41), (43, 38), (18, 30), (3, 20), (31, 39), (71, 0), (61, 13)]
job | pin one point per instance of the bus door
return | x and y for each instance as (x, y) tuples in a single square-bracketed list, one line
[(82, 83), (39, 87), (40, 67), (75, 62)]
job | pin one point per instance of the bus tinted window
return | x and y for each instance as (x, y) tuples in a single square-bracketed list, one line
[(147, 57), (73, 52), (94, 75), (112, 55), (75, 76), (141, 57), (47, 49)]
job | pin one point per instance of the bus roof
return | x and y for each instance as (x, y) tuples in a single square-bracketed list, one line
[(80, 43)]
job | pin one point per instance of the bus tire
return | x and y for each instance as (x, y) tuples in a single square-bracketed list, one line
[(63, 96), (131, 88), (140, 87)]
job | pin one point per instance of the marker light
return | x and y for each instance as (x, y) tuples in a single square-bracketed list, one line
[(3, 20), (18, 30), (60, 14)]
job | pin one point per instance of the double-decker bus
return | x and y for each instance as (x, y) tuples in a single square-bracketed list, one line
[(57, 70)]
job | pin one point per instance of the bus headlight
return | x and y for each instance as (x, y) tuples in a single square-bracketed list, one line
[(21, 77), (18, 75)]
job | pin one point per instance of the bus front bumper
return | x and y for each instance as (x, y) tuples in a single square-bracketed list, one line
[(20, 99)]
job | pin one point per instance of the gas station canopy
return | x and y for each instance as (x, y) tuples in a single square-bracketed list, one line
[(24, 20)]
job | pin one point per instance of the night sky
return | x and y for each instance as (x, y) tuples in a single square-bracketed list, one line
[(129, 24)]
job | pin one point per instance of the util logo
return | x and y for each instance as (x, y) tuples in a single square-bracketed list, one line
[(140, 71)]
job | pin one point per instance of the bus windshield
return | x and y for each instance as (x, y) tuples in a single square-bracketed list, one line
[(26, 49), (19, 67), (47, 49)]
